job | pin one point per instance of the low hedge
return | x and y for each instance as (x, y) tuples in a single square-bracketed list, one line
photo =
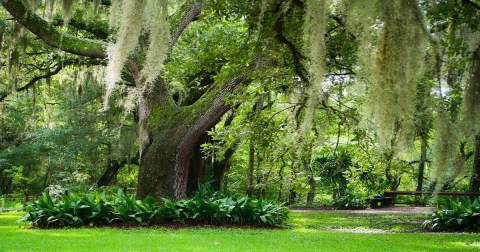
[(93, 209)]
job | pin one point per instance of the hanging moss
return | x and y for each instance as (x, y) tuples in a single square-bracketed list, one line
[(263, 8), (68, 8), (446, 163), (314, 37), (3, 25), (13, 68), (159, 40), (33, 5), (362, 20), (127, 40), (115, 14), (471, 101), (392, 70), (49, 8), (96, 6)]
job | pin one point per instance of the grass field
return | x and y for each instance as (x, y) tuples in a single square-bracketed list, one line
[(318, 231)]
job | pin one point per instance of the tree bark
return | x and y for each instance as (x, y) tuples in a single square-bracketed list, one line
[(311, 182), (170, 134), (109, 176), (197, 170), (475, 179), (220, 168), (421, 165), (251, 165)]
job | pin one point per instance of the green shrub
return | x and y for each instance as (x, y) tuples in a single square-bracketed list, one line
[(461, 214), (203, 208), (349, 201)]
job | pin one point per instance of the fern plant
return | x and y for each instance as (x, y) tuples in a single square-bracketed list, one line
[(203, 208), (461, 214)]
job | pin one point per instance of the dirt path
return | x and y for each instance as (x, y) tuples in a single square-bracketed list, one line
[(382, 210)]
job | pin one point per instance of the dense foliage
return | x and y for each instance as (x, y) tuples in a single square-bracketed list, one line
[(456, 214), (300, 101), (94, 209)]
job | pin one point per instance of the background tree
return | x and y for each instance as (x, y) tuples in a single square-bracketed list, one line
[(299, 79)]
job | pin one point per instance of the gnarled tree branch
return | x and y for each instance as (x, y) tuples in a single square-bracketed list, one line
[(51, 35), (98, 32), (35, 79)]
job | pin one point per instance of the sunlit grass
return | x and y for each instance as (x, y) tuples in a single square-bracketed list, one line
[(390, 222), (308, 232)]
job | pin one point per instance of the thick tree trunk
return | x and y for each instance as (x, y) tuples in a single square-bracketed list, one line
[(157, 166), (169, 135)]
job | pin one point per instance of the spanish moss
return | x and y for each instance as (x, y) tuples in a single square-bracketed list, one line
[(49, 8), (444, 147), (115, 14), (159, 40), (127, 40), (396, 64), (68, 9), (314, 37), (471, 102)]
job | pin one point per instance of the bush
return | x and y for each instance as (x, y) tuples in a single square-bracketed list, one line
[(349, 201), (461, 214), (203, 208)]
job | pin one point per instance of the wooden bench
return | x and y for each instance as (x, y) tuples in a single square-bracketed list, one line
[(393, 194), (379, 201)]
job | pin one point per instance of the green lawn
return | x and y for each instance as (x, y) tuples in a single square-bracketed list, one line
[(330, 231)]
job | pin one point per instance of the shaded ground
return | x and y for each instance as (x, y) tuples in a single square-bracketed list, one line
[(381, 210)]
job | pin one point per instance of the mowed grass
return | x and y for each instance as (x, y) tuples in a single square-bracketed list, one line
[(319, 231)]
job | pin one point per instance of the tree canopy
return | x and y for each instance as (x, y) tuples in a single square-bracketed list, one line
[(286, 99)]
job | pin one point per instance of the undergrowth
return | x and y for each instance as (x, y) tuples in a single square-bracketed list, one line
[(100, 209)]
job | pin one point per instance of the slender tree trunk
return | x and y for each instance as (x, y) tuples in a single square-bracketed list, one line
[(109, 176), (475, 180), (311, 182), (220, 168), (280, 180), (251, 165), (199, 163), (196, 171), (292, 197), (421, 165)]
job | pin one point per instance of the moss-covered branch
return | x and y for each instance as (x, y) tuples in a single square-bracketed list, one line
[(99, 31), (51, 35), (180, 21)]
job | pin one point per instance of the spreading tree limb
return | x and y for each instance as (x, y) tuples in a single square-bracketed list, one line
[(51, 35)]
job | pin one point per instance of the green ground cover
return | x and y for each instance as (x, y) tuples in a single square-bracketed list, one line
[(319, 231)]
